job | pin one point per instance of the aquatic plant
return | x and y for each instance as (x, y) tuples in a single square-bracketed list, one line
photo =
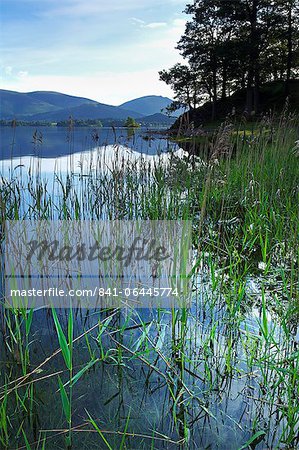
[(225, 370)]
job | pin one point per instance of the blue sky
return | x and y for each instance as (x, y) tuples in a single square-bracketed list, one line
[(107, 50)]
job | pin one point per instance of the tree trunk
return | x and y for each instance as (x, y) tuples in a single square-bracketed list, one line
[(252, 97), (290, 47), (249, 92), (214, 92), (224, 81), (256, 94), (214, 106)]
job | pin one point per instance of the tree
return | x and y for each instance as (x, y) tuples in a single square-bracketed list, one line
[(235, 24), (203, 44), (289, 36), (185, 84), (233, 44), (131, 123)]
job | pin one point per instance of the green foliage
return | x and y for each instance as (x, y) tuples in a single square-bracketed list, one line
[(235, 45), (186, 85), (81, 123), (65, 348), (234, 343), (131, 123), (65, 401)]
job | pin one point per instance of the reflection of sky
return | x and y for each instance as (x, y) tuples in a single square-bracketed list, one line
[(52, 142), (148, 396), (99, 159)]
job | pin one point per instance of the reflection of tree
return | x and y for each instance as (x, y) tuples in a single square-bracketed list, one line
[(131, 132)]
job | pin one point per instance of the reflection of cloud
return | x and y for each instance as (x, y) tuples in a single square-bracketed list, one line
[(102, 159)]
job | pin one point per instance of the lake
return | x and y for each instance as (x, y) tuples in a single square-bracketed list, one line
[(220, 374), (54, 142)]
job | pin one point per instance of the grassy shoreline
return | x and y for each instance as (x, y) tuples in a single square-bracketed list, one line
[(224, 372)]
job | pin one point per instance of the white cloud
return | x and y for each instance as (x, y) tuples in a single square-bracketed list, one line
[(86, 8), (156, 25), (137, 21), (142, 24), (150, 51), (162, 47), (108, 87), (87, 64), (180, 23), (8, 70), (22, 74)]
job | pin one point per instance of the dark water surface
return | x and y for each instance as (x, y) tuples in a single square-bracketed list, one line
[(212, 393), (54, 142)]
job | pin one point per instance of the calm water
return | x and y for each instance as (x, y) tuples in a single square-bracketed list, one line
[(119, 389), (54, 142)]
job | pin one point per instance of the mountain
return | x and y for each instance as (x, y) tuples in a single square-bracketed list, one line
[(21, 105), (60, 100), (157, 119), (54, 106), (13, 104), (149, 105), (87, 111)]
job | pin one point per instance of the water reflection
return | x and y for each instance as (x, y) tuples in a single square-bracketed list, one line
[(207, 376), (99, 158), (53, 142)]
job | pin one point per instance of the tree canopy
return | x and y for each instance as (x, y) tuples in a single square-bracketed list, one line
[(131, 123), (235, 44)]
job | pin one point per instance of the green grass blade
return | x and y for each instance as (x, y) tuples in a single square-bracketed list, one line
[(62, 341), (28, 447), (81, 372), (125, 432), (65, 400), (99, 431), (253, 439)]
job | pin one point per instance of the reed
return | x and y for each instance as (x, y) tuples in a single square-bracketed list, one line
[(228, 366)]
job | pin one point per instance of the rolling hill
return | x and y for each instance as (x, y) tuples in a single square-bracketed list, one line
[(60, 100), (273, 98), (13, 104), (53, 106), (87, 111), (149, 105), (156, 119), (48, 106)]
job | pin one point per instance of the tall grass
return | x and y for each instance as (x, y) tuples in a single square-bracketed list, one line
[(221, 374)]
